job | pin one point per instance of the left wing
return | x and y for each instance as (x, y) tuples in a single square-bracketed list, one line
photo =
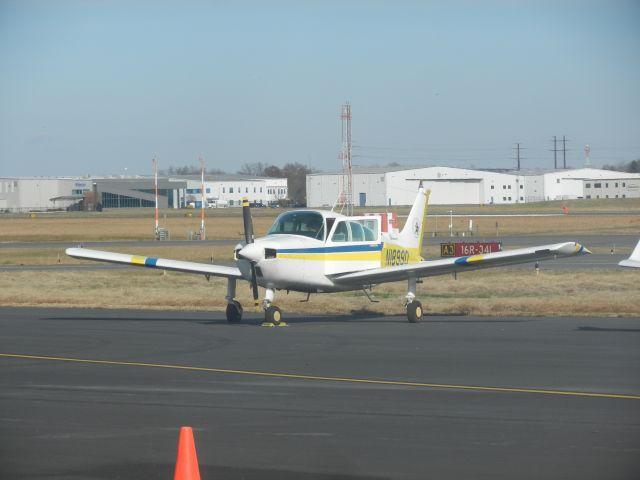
[(431, 268), (153, 262)]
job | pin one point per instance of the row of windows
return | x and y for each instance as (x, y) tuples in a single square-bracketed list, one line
[(239, 190), (79, 191), (606, 185), (506, 187), (606, 196), (112, 200), (191, 191)]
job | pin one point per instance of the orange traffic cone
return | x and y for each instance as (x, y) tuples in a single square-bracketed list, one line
[(187, 461)]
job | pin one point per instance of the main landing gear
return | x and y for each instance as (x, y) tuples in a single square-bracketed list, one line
[(272, 314), (413, 306)]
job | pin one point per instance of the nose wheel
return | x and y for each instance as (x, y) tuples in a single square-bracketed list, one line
[(273, 315)]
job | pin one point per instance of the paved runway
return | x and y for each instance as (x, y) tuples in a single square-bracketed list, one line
[(428, 417)]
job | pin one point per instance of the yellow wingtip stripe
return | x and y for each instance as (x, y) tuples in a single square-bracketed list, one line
[(137, 260)]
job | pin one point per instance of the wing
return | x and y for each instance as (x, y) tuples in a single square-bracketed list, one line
[(431, 268), (152, 262), (633, 260)]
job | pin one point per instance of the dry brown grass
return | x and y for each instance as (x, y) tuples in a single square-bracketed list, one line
[(228, 225), (495, 292), (51, 256)]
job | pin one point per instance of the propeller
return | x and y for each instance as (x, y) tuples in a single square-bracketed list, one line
[(248, 237)]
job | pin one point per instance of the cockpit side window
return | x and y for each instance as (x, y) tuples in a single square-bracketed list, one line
[(341, 233), (305, 223)]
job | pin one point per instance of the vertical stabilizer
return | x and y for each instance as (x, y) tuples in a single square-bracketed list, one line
[(411, 235)]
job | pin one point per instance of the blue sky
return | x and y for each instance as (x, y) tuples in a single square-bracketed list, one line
[(101, 87)]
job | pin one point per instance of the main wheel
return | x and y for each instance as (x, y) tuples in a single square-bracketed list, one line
[(414, 311), (234, 312), (273, 315)]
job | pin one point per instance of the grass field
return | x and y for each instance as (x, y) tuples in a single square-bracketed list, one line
[(489, 292), (224, 225)]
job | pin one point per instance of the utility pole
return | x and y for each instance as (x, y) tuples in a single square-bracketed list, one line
[(564, 152), (517, 149), (203, 200), (555, 153), (155, 172)]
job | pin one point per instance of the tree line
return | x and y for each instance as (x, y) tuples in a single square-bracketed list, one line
[(631, 167)]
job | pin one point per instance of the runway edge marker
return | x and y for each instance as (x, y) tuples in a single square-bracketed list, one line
[(187, 459)]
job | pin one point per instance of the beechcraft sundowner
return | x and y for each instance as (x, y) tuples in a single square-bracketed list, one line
[(317, 251)]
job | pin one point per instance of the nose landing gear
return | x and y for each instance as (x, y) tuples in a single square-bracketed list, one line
[(272, 314)]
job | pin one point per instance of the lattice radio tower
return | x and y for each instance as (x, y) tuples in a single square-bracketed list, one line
[(345, 197)]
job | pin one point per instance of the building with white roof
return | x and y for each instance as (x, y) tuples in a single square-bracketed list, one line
[(451, 186)]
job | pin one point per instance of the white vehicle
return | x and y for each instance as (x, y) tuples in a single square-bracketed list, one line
[(316, 251), (634, 259), (217, 203)]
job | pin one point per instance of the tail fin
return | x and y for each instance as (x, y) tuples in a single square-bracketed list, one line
[(413, 230)]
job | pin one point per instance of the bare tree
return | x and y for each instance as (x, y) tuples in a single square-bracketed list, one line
[(255, 169)]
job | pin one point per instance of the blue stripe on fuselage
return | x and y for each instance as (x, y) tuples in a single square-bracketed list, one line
[(338, 249)]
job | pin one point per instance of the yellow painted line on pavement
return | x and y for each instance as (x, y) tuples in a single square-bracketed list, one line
[(296, 376)]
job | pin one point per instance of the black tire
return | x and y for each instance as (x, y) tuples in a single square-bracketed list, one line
[(234, 312), (273, 315), (414, 311)]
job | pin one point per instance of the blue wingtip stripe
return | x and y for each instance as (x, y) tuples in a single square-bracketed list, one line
[(461, 261), (150, 261)]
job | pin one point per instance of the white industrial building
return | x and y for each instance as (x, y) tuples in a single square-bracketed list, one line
[(458, 186), (23, 194), (229, 190), (41, 193)]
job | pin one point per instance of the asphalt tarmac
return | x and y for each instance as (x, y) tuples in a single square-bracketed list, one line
[(453, 397)]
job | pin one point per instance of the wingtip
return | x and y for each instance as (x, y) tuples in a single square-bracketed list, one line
[(582, 249)]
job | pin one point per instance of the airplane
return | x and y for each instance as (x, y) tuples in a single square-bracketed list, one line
[(634, 260), (319, 251)]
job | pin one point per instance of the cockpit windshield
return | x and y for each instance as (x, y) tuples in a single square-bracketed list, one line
[(308, 224)]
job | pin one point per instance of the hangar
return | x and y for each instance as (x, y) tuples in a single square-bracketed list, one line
[(25, 194), (459, 186)]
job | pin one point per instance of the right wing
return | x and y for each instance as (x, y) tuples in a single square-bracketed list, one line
[(153, 262), (430, 268), (633, 260)]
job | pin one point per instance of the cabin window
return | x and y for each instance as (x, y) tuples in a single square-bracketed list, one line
[(361, 230)]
